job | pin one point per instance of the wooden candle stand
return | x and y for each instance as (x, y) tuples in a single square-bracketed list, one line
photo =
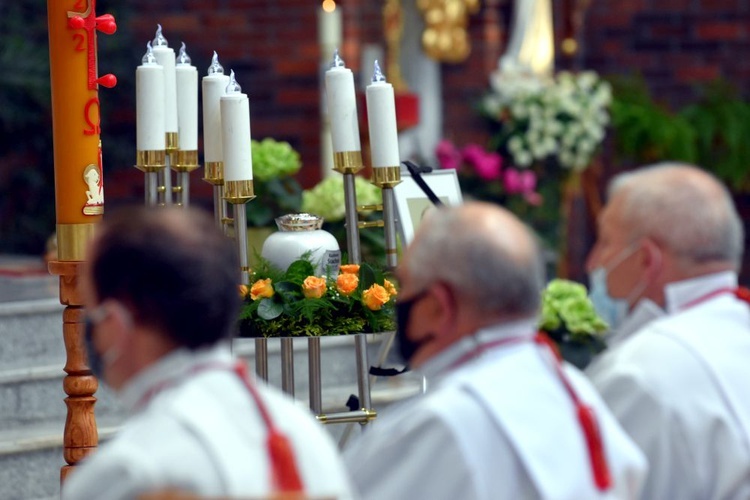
[(80, 437)]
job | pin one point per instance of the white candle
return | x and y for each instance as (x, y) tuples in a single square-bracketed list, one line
[(165, 56), (149, 104), (187, 102), (381, 120), (329, 27), (342, 107), (214, 86), (235, 133)]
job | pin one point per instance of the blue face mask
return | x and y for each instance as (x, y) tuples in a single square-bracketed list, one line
[(611, 309)]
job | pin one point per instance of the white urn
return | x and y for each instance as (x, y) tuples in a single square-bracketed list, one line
[(301, 234)]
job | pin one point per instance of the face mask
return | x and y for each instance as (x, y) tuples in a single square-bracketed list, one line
[(406, 347), (611, 309)]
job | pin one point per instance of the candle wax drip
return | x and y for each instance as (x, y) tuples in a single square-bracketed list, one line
[(215, 68), (337, 61), (159, 40), (183, 57), (149, 58), (377, 74), (233, 87)]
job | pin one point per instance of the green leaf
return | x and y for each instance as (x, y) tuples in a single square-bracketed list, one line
[(367, 276), (269, 309), (299, 270)]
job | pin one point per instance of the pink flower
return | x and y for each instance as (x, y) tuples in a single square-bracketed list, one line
[(448, 155), (519, 182), (487, 165)]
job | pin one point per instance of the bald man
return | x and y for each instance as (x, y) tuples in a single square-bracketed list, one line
[(664, 272), (160, 289), (501, 417)]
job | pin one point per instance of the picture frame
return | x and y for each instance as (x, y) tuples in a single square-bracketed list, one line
[(412, 203)]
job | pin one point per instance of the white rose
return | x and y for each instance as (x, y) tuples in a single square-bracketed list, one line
[(523, 159)]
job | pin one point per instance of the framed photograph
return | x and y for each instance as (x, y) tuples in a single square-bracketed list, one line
[(412, 203)]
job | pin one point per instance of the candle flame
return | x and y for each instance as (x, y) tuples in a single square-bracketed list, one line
[(329, 5), (337, 61), (159, 40), (215, 68), (183, 57), (233, 87), (149, 58), (377, 74)]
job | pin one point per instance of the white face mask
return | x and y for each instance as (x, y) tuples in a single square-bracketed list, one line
[(611, 309)]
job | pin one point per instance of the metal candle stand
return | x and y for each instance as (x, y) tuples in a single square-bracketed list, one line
[(151, 163), (186, 162)]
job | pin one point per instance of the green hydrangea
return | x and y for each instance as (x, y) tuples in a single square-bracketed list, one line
[(273, 159), (566, 306), (326, 199)]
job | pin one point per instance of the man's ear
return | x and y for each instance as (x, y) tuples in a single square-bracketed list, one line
[(445, 312), (652, 258), (120, 318)]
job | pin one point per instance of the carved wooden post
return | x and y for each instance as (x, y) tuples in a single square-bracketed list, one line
[(80, 436)]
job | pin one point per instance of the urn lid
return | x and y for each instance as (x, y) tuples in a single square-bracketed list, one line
[(299, 222)]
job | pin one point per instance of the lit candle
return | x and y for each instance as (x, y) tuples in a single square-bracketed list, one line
[(149, 104), (342, 107), (187, 102), (165, 57), (214, 86), (235, 133), (381, 120), (329, 27)]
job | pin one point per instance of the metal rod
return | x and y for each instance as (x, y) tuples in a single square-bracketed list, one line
[(313, 365), (166, 181), (357, 416), (151, 188), (389, 218), (261, 358), (183, 178), (352, 231), (219, 206), (240, 234), (363, 370), (287, 365)]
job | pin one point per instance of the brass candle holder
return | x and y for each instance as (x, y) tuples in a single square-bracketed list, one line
[(186, 162), (151, 163), (165, 176), (213, 173), (349, 163)]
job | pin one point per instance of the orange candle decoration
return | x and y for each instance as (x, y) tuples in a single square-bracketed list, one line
[(79, 191)]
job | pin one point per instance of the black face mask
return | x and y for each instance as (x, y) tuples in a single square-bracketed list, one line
[(406, 347), (96, 363)]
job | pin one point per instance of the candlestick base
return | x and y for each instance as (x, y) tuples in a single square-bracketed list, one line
[(151, 160), (348, 162), (239, 192), (186, 161), (386, 177), (213, 173)]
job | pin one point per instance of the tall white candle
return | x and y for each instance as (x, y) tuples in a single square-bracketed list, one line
[(235, 133), (381, 120), (149, 104), (165, 56), (214, 86), (187, 102), (329, 27), (342, 107)]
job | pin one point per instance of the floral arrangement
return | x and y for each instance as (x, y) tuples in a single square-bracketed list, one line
[(278, 192), (570, 320), (562, 119), (295, 302), (483, 177)]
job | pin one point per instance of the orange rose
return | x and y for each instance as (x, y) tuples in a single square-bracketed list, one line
[(350, 268), (347, 283), (261, 289), (375, 296), (314, 287), (390, 288)]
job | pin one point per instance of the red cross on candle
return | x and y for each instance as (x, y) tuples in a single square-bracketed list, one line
[(88, 22)]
